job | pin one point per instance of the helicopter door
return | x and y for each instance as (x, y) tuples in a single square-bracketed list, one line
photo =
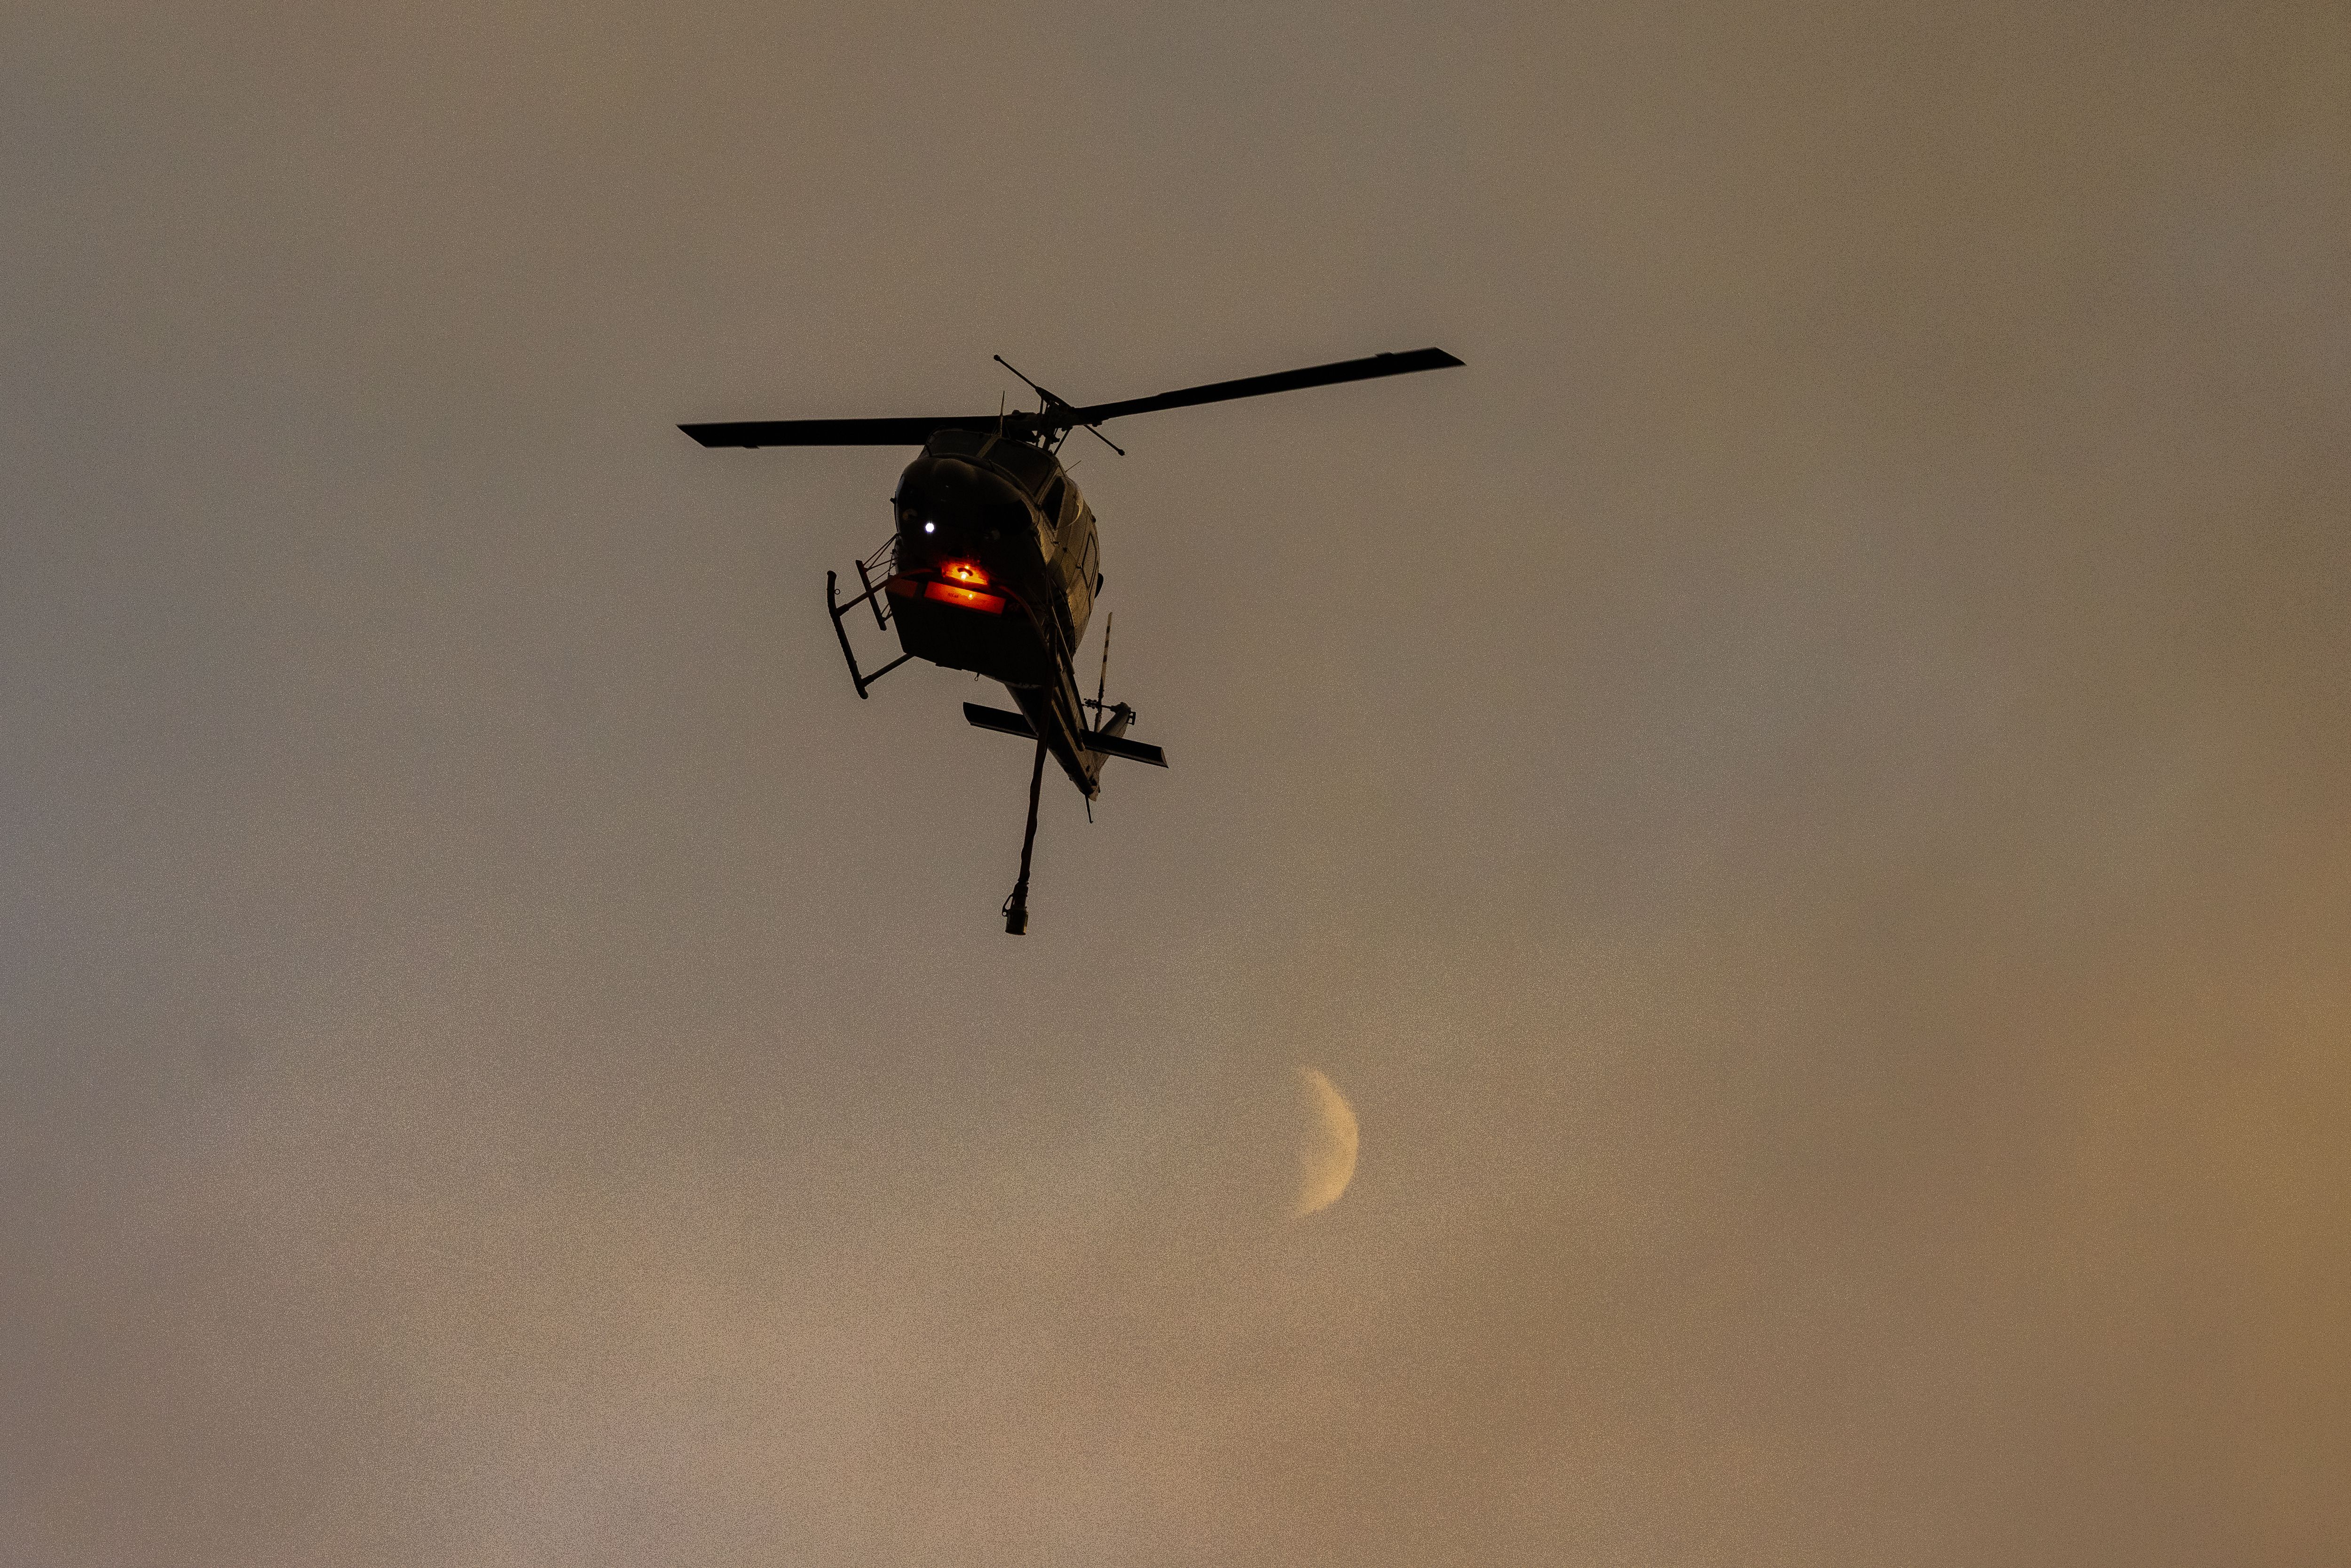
[(1049, 522), (1081, 578)]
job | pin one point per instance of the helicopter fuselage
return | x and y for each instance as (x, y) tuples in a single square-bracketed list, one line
[(996, 566)]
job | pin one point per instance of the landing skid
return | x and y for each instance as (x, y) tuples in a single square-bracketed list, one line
[(872, 596)]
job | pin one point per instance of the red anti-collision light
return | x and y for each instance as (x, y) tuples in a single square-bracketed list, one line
[(949, 593)]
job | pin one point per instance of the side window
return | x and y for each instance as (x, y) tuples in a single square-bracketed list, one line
[(1051, 504)]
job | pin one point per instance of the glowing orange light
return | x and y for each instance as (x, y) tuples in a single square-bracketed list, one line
[(947, 593), (964, 571)]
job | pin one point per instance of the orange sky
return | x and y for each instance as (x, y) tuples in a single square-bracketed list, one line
[(1800, 796)]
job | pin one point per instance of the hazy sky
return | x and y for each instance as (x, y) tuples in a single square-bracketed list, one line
[(1801, 796)]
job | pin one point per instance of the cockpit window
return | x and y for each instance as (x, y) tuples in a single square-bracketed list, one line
[(1031, 467), (958, 442)]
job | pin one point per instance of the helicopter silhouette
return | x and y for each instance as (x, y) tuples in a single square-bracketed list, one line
[(995, 562)]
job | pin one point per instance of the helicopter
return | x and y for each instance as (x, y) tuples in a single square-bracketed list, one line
[(994, 561)]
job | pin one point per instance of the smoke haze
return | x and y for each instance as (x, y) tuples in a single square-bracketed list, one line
[(1801, 795)]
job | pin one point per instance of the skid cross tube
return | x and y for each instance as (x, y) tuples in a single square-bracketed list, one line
[(873, 597), (834, 608)]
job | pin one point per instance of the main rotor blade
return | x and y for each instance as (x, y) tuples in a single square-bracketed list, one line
[(1258, 386), (1057, 415), (829, 431)]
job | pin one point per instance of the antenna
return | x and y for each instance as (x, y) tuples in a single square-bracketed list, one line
[(1103, 682)]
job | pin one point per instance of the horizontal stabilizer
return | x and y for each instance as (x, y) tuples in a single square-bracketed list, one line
[(996, 718), (1118, 746)]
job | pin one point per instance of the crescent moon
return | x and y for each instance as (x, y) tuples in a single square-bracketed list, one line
[(1326, 1153)]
